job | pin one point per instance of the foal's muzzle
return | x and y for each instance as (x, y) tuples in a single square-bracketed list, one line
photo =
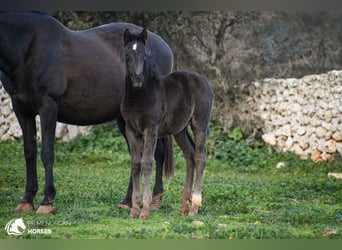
[(137, 80)]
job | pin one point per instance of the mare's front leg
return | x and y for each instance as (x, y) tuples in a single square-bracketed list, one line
[(150, 142), (136, 148), (48, 119), (28, 126)]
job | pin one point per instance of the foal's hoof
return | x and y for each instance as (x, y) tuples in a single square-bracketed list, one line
[(193, 211), (24, 207), (134, 213), (184, 210), (156, 201), (46, 210), (145, 213)]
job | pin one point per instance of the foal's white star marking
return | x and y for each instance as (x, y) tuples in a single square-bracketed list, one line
[(134, 47)]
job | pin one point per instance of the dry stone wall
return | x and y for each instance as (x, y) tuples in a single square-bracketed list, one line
[(298, 115), (10, 129), (301, 115)]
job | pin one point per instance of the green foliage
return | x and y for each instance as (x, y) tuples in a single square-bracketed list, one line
[(244, 195)]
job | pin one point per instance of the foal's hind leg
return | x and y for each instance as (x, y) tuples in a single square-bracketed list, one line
[(185, 142), (200, 135), (158, 186)]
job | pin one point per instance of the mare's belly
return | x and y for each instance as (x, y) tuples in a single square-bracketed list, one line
[(92, 105)]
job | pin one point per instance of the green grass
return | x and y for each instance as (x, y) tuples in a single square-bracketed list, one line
[(244, 195)]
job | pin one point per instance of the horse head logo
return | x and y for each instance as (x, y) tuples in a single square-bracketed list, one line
[(15, 227)]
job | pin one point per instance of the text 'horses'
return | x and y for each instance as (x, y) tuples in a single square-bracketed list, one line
[(155, 106)]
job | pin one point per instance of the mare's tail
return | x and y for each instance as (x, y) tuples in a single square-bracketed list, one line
[(169, 164)]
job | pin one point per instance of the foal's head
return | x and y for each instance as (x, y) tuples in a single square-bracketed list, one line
[(135, 54)]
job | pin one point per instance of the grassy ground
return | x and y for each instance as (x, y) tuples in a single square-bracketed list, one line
[(244, 195)]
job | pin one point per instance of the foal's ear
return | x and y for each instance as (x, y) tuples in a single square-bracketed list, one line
[(143, 35), (127, 36)]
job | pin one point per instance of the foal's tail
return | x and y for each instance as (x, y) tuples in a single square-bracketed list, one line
[(169, 165)]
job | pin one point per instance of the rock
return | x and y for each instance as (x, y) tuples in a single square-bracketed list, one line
[(328, 115), (197, 224), (5, 137), (270, 139), (61, 130), (337, 136), (2, 120), (297, 149), (301, 131), (304, 143), (335, 175), (321, 132), (316, 156), (14, 131), (6, 111), (295, 108), (289, 142), (280, 165), (327, 157), (3, 130), (329, 147), (281, 140)]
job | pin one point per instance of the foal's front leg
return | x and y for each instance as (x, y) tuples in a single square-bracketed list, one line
[(150, 142), (136, 148)]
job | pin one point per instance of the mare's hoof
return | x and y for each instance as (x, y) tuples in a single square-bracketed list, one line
[(24, 207), (145, 213), (156, 201), (134, 213), (124, 206), (46, 210)]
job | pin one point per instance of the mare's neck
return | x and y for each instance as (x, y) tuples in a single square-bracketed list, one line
[(151, 67), (15, 36)]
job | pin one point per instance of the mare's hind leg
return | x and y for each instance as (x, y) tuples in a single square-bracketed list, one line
[(200, 157), (28, 126), (48, 119), (185, 142)]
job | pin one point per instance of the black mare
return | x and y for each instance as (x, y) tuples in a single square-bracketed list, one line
[(75, 77), (155, 106)]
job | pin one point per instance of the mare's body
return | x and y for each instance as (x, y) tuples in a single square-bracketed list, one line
[(75, 77)]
